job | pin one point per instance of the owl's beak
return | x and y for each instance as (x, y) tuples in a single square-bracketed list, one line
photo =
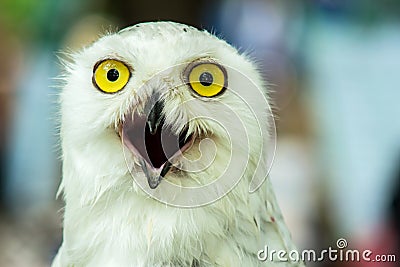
[(155, 117), (155, 143), (155, 175)]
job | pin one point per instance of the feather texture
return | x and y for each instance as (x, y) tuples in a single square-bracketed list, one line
[(109, 220)]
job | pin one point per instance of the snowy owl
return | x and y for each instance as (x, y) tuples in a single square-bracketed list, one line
[(165, 133)]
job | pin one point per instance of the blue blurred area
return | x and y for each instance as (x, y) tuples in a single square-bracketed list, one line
[(32, 169), (32, 153), (332, 66), (354, 92)]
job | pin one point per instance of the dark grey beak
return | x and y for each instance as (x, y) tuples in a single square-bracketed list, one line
[(155, 143), (155, 117), (155, 120), (154, 177)]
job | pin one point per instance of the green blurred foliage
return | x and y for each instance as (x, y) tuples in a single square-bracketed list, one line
[(23, 17), (40, 20)]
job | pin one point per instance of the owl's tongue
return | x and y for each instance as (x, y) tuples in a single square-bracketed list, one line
[(154, 143)]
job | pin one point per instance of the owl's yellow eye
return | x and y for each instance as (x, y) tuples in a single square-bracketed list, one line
[(207, 79), (110, 75)]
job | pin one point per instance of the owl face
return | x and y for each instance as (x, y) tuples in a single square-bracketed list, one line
[(164, 101)]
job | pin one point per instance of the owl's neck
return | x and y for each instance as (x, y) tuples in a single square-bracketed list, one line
[(122, 226)]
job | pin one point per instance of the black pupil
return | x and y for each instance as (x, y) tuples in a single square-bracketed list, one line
[(206, 79), (112, 75)]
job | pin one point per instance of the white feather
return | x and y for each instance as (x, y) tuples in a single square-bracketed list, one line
[(109, 220)]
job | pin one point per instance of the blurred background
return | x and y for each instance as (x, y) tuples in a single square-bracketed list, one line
[(334, 66)]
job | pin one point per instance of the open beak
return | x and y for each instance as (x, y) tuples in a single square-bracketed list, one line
[(155, 144)]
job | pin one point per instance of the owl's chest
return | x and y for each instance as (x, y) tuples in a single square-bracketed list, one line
[(143, 234)]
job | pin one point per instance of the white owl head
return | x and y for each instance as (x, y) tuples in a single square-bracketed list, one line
[(174, 107)]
